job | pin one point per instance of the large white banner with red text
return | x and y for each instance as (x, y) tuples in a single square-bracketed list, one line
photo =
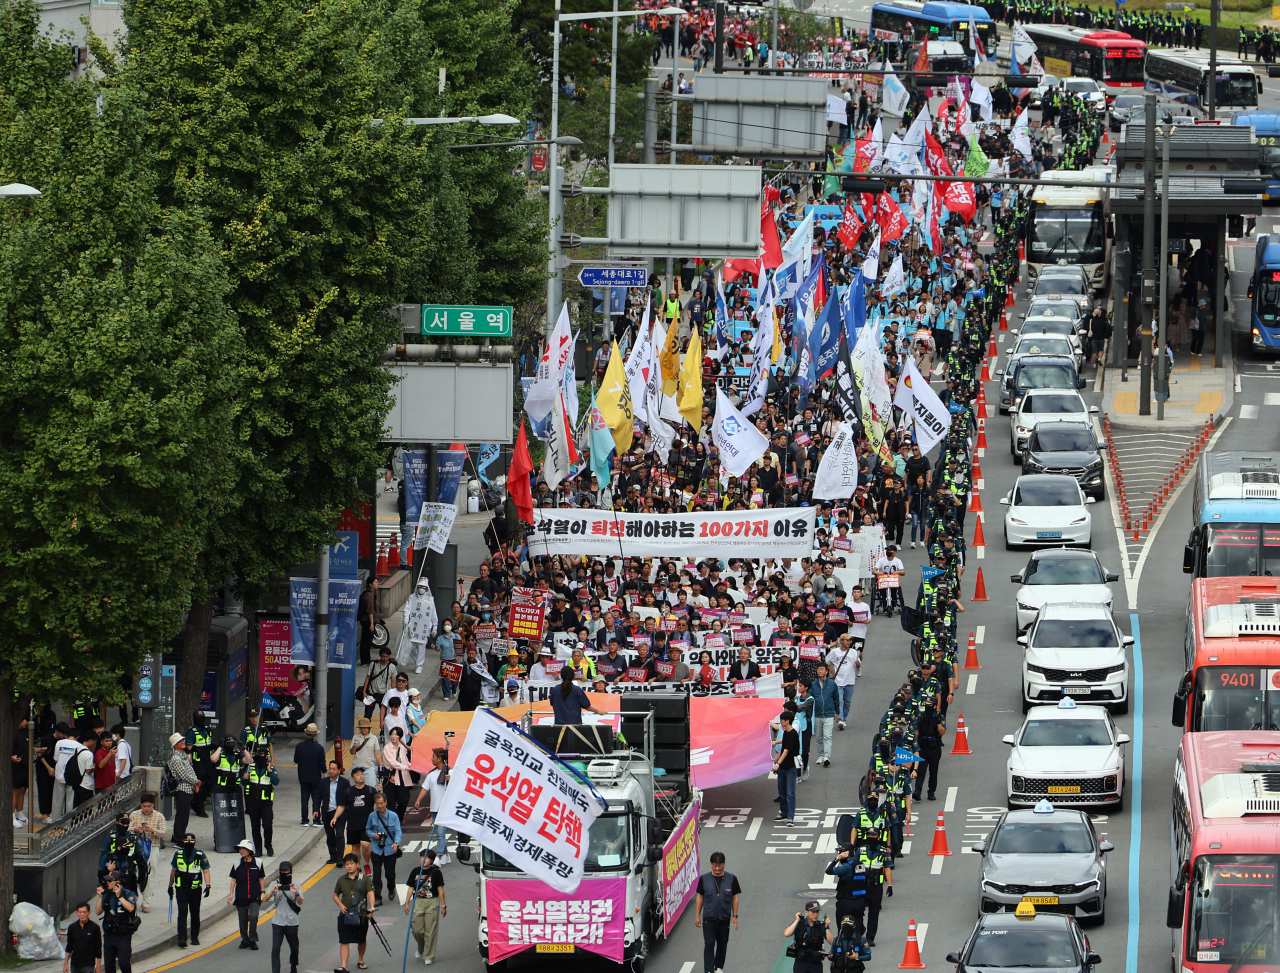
[(779, 532)]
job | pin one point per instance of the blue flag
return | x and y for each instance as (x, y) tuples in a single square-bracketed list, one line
[(904, 756), (824, 342), (854, 309)]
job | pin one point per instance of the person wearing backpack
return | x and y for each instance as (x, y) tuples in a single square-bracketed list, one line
[(79, 775), (66, 746)]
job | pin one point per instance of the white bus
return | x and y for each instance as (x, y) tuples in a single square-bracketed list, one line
[(1183, 75), (1068, 224)]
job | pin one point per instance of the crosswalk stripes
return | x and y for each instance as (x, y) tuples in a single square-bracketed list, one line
[(1249, 411)]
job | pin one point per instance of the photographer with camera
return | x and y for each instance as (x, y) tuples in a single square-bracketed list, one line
[(385, 835), (119, 909), (260, 780), (286, 899), (810, 935)]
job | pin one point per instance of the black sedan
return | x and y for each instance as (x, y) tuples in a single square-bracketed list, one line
[(1043, 941), (1070, 448)]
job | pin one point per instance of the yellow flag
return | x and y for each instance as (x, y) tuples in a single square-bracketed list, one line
[(690, 397), (614, 402), (669, 358), (777, 342)]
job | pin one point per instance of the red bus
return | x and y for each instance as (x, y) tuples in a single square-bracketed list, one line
[(1231, 656), (1224, 894), (1111, 57)]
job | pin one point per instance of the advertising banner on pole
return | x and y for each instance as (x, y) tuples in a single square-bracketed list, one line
[(276, 661), (344, 599), (680, 868), (776, 533)]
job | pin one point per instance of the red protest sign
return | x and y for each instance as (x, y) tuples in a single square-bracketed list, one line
[(665, 669), (637, 674), (451, 671), (527, 622)]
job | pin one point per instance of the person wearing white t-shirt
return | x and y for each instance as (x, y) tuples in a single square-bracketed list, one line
[(433, 786), (890, 564), (63, 795), (124, 752), (859, 617), (844, 661)]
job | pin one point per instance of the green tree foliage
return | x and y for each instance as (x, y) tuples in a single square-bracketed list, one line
[(118, 394), (262, 114)]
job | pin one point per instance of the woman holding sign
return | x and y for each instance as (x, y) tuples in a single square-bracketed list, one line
[(569, 701)]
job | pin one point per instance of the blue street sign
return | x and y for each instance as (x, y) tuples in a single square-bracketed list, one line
[(169, 672), (144, 697), (144, 683), (145, 670), (613, 276)]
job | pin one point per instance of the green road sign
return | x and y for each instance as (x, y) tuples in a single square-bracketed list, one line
[(480, 322)]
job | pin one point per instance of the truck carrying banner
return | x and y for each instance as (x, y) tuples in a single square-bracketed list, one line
[(781, 532), (517, 799), (680, 868), (524, 914)]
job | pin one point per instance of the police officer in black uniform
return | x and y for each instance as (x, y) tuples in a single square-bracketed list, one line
[(872, 855), (929, 731), (851, 883), (200, 743), (188, 881), (809, 934), (260, 780), (120, 853), (119, 909)]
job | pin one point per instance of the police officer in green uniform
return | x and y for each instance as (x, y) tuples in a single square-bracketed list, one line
[(188, 881), (200, 743), (254, 736), (871, 856), (227, 771), (120, 853), (260, 780)]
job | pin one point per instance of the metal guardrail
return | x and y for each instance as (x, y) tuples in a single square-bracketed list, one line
[(82, 824)]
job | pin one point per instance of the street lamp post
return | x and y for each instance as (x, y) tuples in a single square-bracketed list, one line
[(17, 190), (555, 211)]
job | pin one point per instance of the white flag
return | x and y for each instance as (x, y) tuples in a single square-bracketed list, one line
[(662, 434), (895, 96), (569, 384), (863, 354), (921, 403), (1022, 135), (895, 281), (740, 443), (800, 246), (879, 396), (480, 800), (637, 363), (871, 266), (877, 147), (981, 96), (761, 353), (558, 463), (1023, 39), (556, 354), (838, 472), (914, 140)]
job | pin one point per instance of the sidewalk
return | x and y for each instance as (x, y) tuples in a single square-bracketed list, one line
[(1197, 392)]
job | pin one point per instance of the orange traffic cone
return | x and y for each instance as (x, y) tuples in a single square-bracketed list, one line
[(982, 434), (408, 551), (1004, 321), (975, 503), (1022, 250), (911, 955), (992, 351), (961, 747), (1106, 135), (982, 404), (980, 590), (1008, 297), (940, 839), (383, 570), (978, 539), (986, 375), (393, 557), (971, 657), (977, 470)]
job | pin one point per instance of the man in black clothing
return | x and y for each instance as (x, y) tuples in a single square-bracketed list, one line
[(333, 795), (716, 906), (308, 756), (355, 811), (84, 944), (562, 618), (189, 881), (918, 465), (929, 735)]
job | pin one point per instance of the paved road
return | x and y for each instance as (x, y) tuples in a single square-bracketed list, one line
[(779, 869)]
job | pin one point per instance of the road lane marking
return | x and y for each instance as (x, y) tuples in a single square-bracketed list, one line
[(972, 686), (687, 968), (1269, 398), (937, 867), (906, 847), (826, 844), (1249, 410), (922, 928), (979, 634), (754, 830), (951, 799), (1135, 800)]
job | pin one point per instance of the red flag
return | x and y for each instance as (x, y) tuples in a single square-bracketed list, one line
[(518, 477), (893, 222), (960, 200), (935, 159), (772, 253), (771, 195), (935, 231), (733, 269), (922, 59), (850, 227), (942, 113), (862, 155)]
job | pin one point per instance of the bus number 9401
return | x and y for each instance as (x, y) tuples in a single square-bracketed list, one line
[(1243, 679)]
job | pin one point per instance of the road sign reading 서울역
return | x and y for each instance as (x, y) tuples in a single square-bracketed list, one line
[(613, 276), (452, 319)]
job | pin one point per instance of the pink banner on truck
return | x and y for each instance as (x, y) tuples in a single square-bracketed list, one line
[(730, 738), (524, 914), (680, 868)]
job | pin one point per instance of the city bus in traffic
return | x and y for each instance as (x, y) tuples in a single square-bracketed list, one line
[(1231, 652), (934, 20), (1235, 516), (1111, 57), (1068, 224), (1224, 840), (1266, 132), (1182, 74)]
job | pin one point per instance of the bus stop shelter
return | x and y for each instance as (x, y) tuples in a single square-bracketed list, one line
[(1201, 157)]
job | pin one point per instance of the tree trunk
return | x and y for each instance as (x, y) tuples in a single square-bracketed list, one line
[(7, 726), (195, 651), (253, 676)]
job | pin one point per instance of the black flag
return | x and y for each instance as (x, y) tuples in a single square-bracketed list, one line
[(846, 389)]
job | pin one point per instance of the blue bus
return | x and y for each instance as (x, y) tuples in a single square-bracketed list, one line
[(933, 21), (1266, 127), (1235, 516)]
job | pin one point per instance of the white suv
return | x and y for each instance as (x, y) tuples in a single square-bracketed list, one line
[(1044, 405), (1074, 649)]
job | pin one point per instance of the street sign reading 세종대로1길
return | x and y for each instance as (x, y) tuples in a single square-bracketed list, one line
[(613, 276), (480, 322)]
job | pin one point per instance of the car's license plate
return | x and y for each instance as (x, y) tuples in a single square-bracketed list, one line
[(1077, 690), (1048, 534), (1040, 899), (560, 947), (1064, 789)]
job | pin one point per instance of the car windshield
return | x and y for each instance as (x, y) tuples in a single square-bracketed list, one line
[(1237, 89), (1075, 633), (1050, 229), (1046, 376), (1064, 570), (1128, 101), (1041, 491), (1065, 733), (1071, 235), (1055, 325), (1063, 436), (1267, 297), (1083, 85), (1050, 309), (1233, 907), (1043, 344), (1029, 944), (1051, 404), (1234, 550), (1042, 838), (607, 848)]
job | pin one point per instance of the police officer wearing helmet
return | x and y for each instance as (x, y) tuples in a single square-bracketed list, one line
[(809, 934), (260, 781), (929, 729), (872, 856), (851, 881), (227, 771), (847, 948), (119, 909), (120, 853), (188, 881)]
